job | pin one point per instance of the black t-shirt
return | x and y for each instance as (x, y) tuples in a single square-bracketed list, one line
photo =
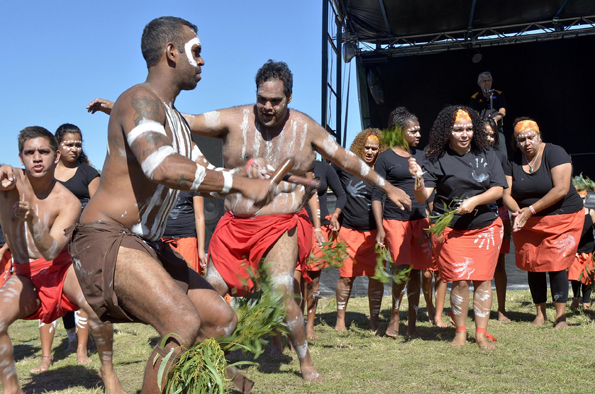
[(458, 177), (527, 188), (503, 160), (328, 178), (395, 169), (357, 214), (181, 222), (79, 183), (587, 242)]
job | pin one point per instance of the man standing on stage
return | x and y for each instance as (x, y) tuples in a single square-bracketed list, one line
[(490, 103)]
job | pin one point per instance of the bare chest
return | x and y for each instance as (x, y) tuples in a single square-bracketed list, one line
[(249, 141)]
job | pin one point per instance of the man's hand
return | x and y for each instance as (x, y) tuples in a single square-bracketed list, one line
[(7, 178), (398, 196), (102, 105), (23, 210)]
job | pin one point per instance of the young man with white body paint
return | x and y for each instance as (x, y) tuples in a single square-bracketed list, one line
[(35, 210), (271, 131), (150, 157)]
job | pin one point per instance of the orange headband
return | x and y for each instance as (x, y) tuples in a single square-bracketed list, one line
[(526, 125), (373, 137), (462, 115)]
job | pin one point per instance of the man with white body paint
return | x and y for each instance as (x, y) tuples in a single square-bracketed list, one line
[(151, 156), (271, 131), (35, 210)]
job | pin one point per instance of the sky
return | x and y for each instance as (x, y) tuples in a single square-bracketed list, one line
[(59, 55)]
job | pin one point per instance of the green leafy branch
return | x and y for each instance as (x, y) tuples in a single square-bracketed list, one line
[(442, 220), (334, 254), (394, 137), (583, 183), (386, 269)]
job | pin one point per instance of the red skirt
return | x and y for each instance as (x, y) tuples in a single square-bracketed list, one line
[(505, 216), (238, 243), (582, 261), (361, 252), (469, 254), (408, 243), (548, 243), (48, 278)]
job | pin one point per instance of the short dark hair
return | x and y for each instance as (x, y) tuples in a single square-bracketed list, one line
[(399, 116), (276, 70), (68, 128), (158, 33), (31, 132)]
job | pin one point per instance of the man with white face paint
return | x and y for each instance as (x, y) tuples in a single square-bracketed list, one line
[(35, 210), (151, 156), (271, 131)]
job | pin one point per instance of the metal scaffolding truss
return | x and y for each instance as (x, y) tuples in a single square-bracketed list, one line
[(476, 38)]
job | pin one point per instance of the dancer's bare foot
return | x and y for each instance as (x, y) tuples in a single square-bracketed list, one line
[(111, 381), (44, 364), (460, 339), (81, 356), (502, 318), (539, 320), (586, 307), (310, 334), (561, 323), (340, 325), (438, 322), (575, 303), (483, 343), (309, 374), (393, 329)]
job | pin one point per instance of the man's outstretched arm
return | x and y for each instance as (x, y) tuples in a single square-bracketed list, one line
[(326, 145)]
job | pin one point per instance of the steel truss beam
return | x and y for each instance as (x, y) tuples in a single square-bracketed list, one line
[(461, 39)]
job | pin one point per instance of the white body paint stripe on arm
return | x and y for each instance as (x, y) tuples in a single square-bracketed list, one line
[(199, 176), (147, 126), (155, 159)]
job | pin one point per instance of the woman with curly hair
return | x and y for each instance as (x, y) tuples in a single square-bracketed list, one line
[(358, 231), (467, 178), (548, 216), (403, 231)]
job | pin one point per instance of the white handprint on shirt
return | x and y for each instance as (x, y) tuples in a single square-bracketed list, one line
[(479, 164), (354, 190)]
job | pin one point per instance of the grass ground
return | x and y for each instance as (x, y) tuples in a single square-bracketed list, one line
[(527, 359)]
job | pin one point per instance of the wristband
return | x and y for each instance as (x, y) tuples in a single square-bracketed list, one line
[(533, 211), (335, 215), (227, 182), (317, 229), (248, 164)]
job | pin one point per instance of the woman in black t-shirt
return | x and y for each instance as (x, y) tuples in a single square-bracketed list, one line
[(403, 231), (547, 216), (468, 177), (358, 231), (76, 174)]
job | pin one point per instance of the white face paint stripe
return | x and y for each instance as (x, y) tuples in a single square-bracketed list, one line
[(147, 126), (154, 160), (199, 176), (188, 49)]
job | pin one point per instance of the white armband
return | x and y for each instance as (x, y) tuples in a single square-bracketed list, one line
[(227, 182), (199, 176), (154, 160), (147, 126)]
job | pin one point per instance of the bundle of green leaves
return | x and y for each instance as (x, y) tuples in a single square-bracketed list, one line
[(394, 137), (441, 221), (581, 182), (261, 313), (387, 270), (334, 254)]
